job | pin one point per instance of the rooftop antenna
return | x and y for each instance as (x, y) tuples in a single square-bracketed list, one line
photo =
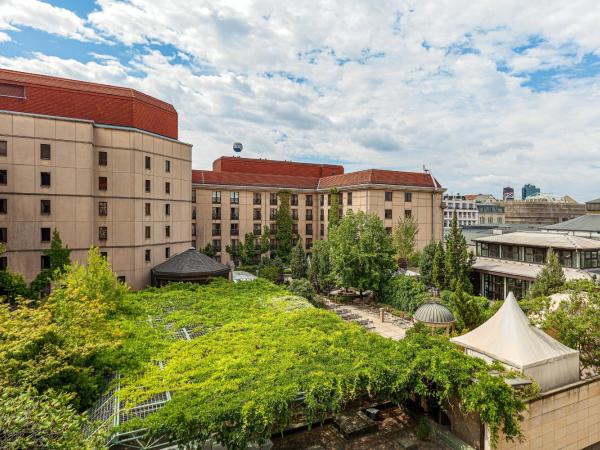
[(425, 169), (237, 147)]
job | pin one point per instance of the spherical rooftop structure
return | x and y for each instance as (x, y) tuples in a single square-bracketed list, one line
[(434, 314)]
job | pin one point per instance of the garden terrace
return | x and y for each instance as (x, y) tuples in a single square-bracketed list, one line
[(260, 357)]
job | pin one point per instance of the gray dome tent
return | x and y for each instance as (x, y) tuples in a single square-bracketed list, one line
[(435, 315), (189, 266)]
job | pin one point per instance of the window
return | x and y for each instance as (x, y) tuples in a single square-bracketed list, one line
[(388, 213), (167, 252), (168, 210), (104, 255), (4, 235), (388, 230), (45, 262), (234, 229), (193, 213), (3, 176), (216, 244), (493, 287), (257, 230), (591, 259), (273, 198), (517, 287), (102, 158), (273, 214), (273, 244), (309, 229), (193, 195), (45, 207), (45, 151), (309, 214), (45, 234), (308, 243), (407, 213), (122, 278), (3, 206), (193, 229), (408, 196), (294, 228), (3, 262), (256, 214), (234, 197), (45, 179), (322, 215), (349, 198), (167, 168), (167, 230), (256, 199), (102, 183), (148, 163), (147, 186), (148, 232), (147, 208), (235, 214), (294, 200), (566, 258), (295, 214), (322, 200), (489, 250), (216, 197), (167, 188), (510, 252), (535, 255), (273, 228), (216, 213), (148, 255), (388, 196), (309, 200), (216, 229), (322, 230), (3, 148), (103, 233), (328, 199)]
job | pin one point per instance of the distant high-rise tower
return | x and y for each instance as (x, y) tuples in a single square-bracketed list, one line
[(508, 193), (528, 190)]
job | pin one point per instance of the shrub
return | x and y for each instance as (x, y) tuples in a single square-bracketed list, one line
[(404, 293), (270, 273), (302, 288)]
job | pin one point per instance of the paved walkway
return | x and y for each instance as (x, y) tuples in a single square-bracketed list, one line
[(362, 313)]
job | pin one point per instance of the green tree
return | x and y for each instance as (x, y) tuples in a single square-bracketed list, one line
[(576, 323), (320, 270), (404, 293), (426, 264), (284, 234), (550, 279), (209, 250), (404, 238), (60, 259), (361, 252), (248, 251), (438, 273), (265, 241), (333, 217), (31, 421), (302, 288), (298, 263), (470, 311), (13, 286), (458, 259)]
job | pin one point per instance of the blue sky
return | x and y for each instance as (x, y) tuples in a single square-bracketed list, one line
[(485, 95)]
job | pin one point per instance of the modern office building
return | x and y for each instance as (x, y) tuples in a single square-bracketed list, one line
[(508, 193), (490, 211), (101, 164), (240, 195), (465, 209), (510, 262), (528, 190)]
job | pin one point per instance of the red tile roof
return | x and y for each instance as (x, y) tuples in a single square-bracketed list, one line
[(270, 166), (377, 176), (471, 196), (210, 177), (103, 104)]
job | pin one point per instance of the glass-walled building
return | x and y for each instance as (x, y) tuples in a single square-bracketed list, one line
[(511, 262)]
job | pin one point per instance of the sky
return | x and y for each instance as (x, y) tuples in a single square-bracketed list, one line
[(484, 94)]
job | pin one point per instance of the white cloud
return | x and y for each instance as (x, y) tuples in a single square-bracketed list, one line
[(368, 85), (45, 17)]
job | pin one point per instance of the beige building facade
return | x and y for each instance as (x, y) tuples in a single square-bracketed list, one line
[(123, 189), (227, 205)]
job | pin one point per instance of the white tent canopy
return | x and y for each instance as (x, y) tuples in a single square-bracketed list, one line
[(509, 338)]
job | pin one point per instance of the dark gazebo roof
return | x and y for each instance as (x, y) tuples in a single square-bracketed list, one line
[(189, 264)]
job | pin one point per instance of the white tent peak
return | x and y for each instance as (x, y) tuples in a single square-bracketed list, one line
[(509, 338)]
